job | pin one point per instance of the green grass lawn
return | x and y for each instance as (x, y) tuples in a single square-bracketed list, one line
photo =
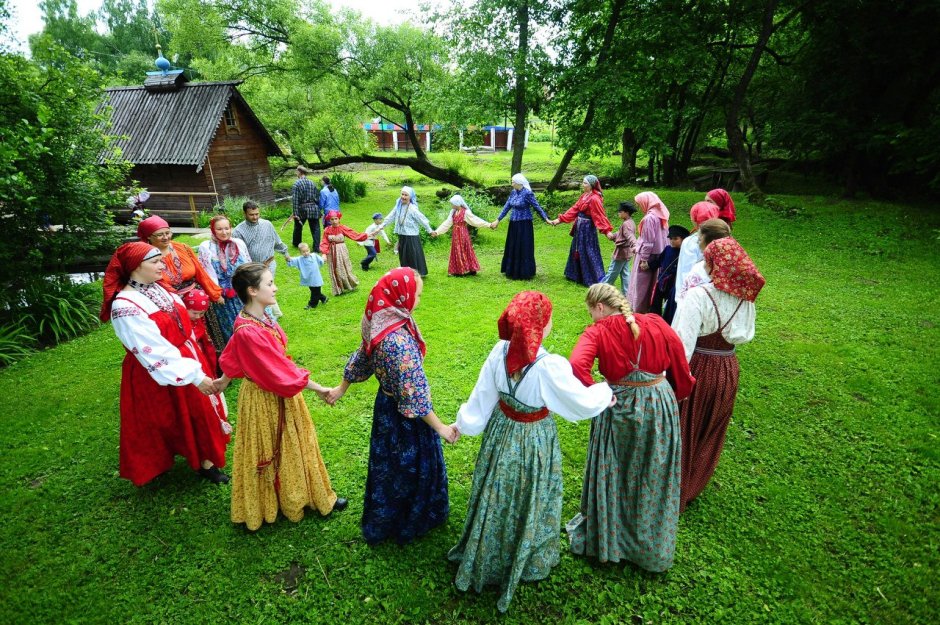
[(824, 507)]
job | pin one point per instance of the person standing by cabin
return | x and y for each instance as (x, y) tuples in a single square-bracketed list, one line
[(262, 240), (305, 203)]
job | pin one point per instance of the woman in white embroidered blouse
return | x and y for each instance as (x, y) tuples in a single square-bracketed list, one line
[(169, 405)]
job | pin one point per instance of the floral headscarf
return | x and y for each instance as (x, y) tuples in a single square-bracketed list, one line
[(702, 212), (334, 213), (521, 180), (650, 203), (733, 271), (125, 260), (389, 307), (725, 204), (522, 324), (196, 300), (228, 249), (147, 227)]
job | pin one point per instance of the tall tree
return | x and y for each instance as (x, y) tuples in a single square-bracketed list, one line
[(51, 172), (495, 44), (346, 58)]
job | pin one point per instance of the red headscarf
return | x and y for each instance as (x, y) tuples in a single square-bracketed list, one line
[(702, 212), (652, 205), (389, 307), (725, 204), (521, 324), (334, 213), (196, 300), (733, 271), (126, 259), (148, 226)]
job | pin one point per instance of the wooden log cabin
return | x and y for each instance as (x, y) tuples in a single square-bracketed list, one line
[(190, 143)]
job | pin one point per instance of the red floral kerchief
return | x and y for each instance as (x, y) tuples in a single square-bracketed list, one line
[(389, 307), (196, 300), (521, 324), (733, 271)]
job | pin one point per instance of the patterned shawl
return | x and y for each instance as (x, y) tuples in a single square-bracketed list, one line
[(389, 307), (725, 204), (522, 324), (733, 271), (228, 249)]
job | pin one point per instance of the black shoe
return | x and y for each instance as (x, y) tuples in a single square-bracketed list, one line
[(214, 475), (323, 299), (340, 504), (364, 266)]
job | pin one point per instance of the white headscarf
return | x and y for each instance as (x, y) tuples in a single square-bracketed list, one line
[(458, 201), (520, 179), (411, 192)]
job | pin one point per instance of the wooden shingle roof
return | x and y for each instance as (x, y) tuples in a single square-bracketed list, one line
[(173, 127)]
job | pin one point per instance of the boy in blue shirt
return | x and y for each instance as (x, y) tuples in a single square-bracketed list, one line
[(309, 266)]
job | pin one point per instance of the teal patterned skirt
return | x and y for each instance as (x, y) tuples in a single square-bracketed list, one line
[(514, 512), (630, 496)]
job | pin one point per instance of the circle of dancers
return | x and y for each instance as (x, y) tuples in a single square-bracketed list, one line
[(664, 344)]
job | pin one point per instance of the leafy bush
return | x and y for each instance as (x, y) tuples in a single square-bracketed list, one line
[(231, 207), (349, 186), (61, 311), (15, 343)]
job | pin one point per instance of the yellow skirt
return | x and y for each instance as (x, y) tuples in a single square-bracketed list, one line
[(270, 475)]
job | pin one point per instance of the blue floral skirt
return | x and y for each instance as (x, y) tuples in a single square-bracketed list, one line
[(220, 321), (585, 265), (406, 490)]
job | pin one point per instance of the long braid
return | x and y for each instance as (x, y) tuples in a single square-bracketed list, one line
[(603, 293)]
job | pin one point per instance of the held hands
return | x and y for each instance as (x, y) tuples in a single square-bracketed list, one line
[(433, 234), (449, 433), (207, 386), (611, 235), (221, 384), (332, 395), (553, 222), (494, 224)]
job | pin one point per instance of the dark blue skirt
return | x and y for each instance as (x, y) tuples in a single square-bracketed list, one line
[(406, 491), (585, 265), (519, 253)]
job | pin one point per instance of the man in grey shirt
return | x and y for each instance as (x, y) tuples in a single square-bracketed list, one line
[(261, 239)]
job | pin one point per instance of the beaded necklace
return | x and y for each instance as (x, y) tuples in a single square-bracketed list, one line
[(161, 299)]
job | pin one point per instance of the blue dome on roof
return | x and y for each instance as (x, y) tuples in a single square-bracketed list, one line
[(161, 62)]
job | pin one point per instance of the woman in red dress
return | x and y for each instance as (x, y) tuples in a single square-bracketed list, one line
[(168, 402), (463, 261), (711, 320)]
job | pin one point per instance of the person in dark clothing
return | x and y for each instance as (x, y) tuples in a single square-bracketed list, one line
[(305, 203), (664, 296)]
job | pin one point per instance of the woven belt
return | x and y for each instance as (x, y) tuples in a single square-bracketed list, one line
[(637, 383), (714, 352), (522, 417)]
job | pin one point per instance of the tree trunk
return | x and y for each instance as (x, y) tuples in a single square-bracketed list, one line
[(420, 165), (522, 111), (733, 113), (628, 150), (615, 11)]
